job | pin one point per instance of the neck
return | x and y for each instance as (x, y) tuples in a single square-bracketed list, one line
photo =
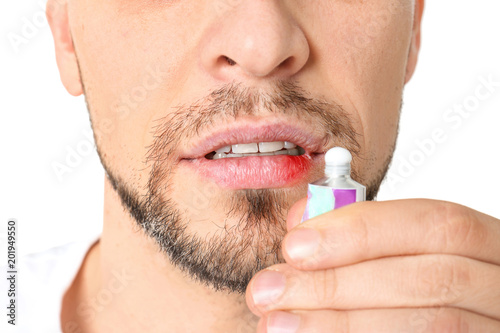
[(136, 288)]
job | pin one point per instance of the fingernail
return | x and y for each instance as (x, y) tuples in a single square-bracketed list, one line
[(268, 287), (302, 243), (282, 322)]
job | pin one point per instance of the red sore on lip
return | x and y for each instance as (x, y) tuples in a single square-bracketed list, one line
[(254, 172)]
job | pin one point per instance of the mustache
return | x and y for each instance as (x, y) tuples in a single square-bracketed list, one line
[(233, 100)]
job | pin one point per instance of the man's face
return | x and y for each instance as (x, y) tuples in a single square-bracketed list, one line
[(169, 82)]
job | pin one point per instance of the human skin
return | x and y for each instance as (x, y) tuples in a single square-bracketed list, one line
[(357, 54)]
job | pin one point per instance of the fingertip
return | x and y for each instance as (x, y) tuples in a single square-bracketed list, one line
[(295, 214), (262, 325), (249, 300)]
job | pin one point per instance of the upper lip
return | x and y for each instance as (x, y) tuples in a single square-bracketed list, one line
[(253, 132)]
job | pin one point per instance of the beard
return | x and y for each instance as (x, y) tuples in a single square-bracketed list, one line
[(229, 258)]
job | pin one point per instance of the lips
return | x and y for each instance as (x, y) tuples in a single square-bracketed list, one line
[(254, 133), (253, 172)]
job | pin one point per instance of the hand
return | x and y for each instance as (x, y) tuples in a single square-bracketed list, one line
[(400, 266)]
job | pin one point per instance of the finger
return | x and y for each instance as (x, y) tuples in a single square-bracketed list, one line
[(295, 214), (412, 281), (411, 320), (369, 230)]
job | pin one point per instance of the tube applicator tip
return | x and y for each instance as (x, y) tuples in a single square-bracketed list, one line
[(338, 161), (338, 156)]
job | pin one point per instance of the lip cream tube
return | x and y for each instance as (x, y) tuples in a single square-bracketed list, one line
[(337, 189)]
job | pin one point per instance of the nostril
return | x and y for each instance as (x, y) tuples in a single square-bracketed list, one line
[(230, 61), (288, 62)]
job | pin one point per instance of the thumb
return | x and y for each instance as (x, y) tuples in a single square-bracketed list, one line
[(295, 214)]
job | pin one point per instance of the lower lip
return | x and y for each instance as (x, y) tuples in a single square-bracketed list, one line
[(254, 172)]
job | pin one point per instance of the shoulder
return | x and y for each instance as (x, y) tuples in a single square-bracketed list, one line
[(41, 279), (52, 265)]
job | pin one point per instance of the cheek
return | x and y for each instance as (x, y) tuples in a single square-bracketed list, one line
[(131, 62), (366, 50)]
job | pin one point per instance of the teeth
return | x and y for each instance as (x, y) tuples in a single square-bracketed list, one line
[(265, 147), (281, 152), (261, 154), (225, 149), (292, 152), (219, 155), (258, 149), (224, 155), (262, 147), (245, 148)]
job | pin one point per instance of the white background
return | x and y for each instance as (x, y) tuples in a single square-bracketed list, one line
[(39, 122)]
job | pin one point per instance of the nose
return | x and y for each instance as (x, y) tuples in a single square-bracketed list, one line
[(254, 38)]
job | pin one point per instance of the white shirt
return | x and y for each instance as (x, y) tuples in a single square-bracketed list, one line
[(42, 280)]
